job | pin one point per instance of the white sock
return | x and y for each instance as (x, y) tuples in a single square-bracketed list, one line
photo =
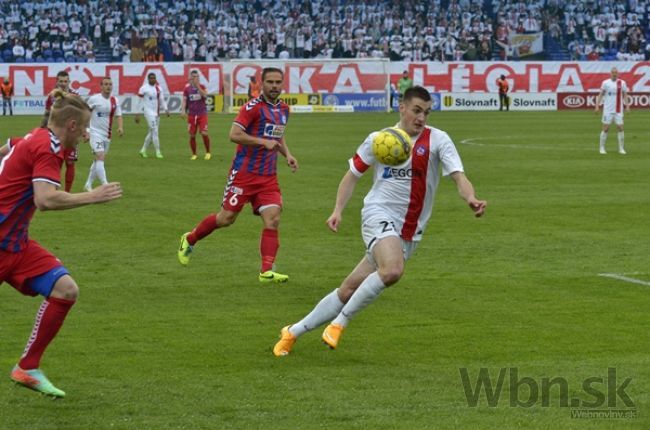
[(156, 140), (147, 141), (91, 176), (367, 292), (100, 171), (603, 139), (621, 140), (325, 310)]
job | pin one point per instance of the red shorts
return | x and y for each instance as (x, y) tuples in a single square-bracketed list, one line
[(260, 191), (197, 122), (18, 267)]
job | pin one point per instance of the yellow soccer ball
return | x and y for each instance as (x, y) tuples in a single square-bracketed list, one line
[(392, 146)]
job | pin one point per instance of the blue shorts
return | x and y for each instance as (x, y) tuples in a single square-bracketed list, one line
[(43, 284)]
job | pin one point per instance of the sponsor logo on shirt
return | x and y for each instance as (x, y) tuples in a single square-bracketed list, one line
[(275, 131), (195, 97), (400, 174)]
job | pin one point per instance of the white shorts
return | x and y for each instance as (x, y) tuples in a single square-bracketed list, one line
[(608, 117), (153, 120), (99, 144), (375, 228)]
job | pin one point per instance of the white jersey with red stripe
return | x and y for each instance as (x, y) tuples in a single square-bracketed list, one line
[(101, 119), (613, 95), (153, 100), (406, 192)]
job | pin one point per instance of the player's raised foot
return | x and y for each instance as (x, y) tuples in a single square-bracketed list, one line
[(184, 250), (207, 156), (271, 276), (284, 345), (35, 380), (143, 154), (332, 335), (159, 155), (602, 151), (193, 157)]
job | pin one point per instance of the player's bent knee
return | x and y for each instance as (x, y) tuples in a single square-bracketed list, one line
[(390, 275), (65, 288), (226, 218)]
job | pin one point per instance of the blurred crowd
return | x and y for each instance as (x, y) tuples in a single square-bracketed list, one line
[(401, 30)]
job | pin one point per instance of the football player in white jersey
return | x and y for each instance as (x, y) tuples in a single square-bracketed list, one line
[(394, 216), (614, 93), (152, 101), (105, 108)]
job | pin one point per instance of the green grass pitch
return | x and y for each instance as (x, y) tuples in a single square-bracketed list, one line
[(154, 345)]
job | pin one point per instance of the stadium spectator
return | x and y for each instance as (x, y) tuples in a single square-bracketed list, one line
[(258, 131), (306, 30), (392, 220), (254, 88), (504, 87), (33, 170), (7, 90)]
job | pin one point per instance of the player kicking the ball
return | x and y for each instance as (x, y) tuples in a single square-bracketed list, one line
[(394, 216), (258, 131)]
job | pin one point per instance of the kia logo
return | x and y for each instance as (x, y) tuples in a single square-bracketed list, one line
[(574, 101)]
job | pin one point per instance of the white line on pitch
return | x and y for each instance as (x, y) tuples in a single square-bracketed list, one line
[(478, 142), (624, 278)]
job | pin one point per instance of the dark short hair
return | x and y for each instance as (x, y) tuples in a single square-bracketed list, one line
[(62, 74), (503, 76), (150, 74), (268, 70), (417, 92)]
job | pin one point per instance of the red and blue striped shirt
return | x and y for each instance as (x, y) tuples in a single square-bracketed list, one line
[(260, 118), (36, 157)]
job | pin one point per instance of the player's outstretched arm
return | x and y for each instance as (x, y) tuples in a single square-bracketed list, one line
[(466, 191), (47, 197), (346, 188), (4, 151)]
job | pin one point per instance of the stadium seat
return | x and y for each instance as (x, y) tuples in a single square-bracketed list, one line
[(60, 60), (20, 60), (47, 53), (57, 53)]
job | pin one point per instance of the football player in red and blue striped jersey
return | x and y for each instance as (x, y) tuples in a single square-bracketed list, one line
[(258, 131)]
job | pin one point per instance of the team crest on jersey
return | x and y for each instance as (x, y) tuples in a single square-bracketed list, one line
[(421, 150), (273, 130)]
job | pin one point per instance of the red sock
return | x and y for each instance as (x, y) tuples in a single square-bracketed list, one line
[(269, 245), (206, 142), (49, 319), (69, 176), (193, 144), (205, 227)]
